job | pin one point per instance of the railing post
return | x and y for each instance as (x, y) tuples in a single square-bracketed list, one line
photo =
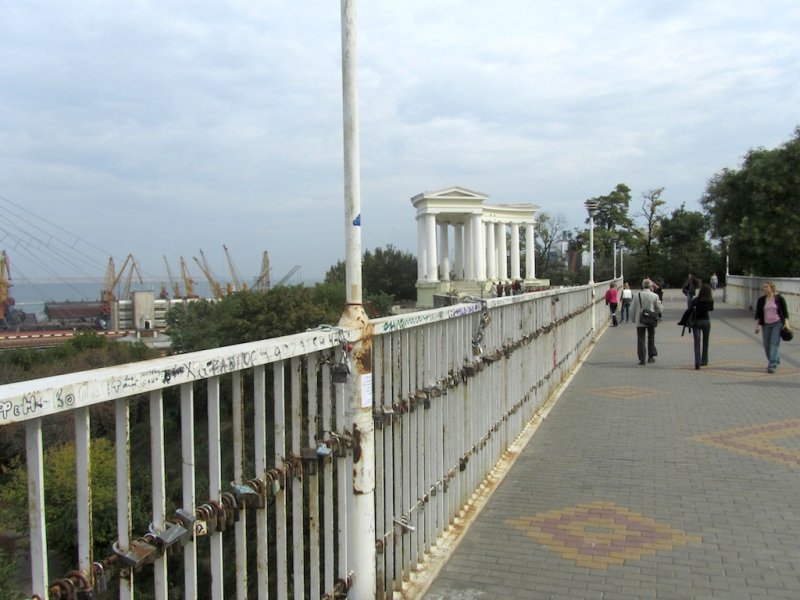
[(361, 509)]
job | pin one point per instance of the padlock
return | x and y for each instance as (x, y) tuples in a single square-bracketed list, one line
[(66, 589), (187, 521), (83, 588), (172, 535), (100, 580), (310, 460), (231, 508), (139, 553), (246, 496), (340, 372), (220, 515)]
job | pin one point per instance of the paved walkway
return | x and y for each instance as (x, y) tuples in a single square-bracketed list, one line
[(653, 481)]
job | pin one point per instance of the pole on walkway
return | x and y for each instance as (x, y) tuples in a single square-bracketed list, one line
[(360, 548)]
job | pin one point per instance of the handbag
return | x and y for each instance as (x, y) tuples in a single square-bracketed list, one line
[(647, 317), (786, 334)]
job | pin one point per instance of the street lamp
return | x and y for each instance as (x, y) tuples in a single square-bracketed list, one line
[(592, 208), (614, 241)]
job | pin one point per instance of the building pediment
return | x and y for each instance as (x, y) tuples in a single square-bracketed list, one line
[(451, 197)]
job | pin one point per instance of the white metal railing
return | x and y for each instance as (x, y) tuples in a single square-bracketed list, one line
[(450, 390), (744, 291)]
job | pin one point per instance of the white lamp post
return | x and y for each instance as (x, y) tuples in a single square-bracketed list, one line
[(614, 241), (592, 208)]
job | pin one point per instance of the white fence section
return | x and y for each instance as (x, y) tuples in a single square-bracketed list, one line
[(744, 291), (261, 511)]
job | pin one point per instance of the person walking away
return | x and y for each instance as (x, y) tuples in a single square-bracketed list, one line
[(689, 289), (612, 301), (771, 316), (627, 297), (714, 281), (702, 305), (647, 300)]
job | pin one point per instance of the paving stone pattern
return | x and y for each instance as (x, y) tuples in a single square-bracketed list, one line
[(650, 482)]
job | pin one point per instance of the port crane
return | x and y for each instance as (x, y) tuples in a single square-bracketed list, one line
[(5, 285), (188, 282), (112, 279), (262, 282), (238, 284), (173, 283), (216, 289)]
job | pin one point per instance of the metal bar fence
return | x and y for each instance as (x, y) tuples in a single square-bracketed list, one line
[(259, 475)]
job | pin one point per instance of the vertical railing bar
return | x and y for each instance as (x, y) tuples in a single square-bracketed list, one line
[(312, 481), (421, 359), (215, 483), (240, 527), (158, 486), (298, 533), (327, 498), (344, 491), (397, 459), (34, 457), (407, 456), (428, 414), (83, 464), (381, 382), (279, 457), (188, 490), (261, 461), (123, 469)]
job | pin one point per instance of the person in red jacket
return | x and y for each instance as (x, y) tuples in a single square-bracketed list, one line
[(612, 300)]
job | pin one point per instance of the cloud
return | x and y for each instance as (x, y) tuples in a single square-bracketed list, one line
[(159, 128)]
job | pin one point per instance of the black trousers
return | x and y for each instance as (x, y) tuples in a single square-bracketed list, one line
[(641, 332), (701, 355)]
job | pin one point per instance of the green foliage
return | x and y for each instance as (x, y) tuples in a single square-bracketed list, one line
[(252, 315), (386, 271), (684, 248), (8, 573), (60, 491), (755, 210), (87, 350)]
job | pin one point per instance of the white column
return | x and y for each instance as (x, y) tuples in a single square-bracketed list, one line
[(444, 250), (421, 256), (430, 246), (469, 255), (491, 260), (530, 251), (515, 251), (479, 248), (459, 250), (500, 240)]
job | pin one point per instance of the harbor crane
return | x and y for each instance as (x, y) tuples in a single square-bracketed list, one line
[(173, 283), (238, 284), (112, 279), (216, 289), (188, 282), (262, 282)]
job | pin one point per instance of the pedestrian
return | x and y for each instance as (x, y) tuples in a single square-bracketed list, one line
[(689, 289), (714, 281), (702, 305), (612, 301), (771, 316), (627, 296), (646, 310)]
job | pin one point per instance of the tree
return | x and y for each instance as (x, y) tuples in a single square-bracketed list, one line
[(648, 234), (384, 271), (612, 213), (60, 490), (754, 210), (249, 316), (549, 227), (684, 246)]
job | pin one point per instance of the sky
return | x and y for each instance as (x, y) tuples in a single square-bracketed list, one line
[(165, 128)]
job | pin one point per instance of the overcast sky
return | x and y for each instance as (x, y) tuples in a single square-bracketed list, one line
[(160, 128)]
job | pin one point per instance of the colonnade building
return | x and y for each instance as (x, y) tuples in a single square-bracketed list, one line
[(465, 246)]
